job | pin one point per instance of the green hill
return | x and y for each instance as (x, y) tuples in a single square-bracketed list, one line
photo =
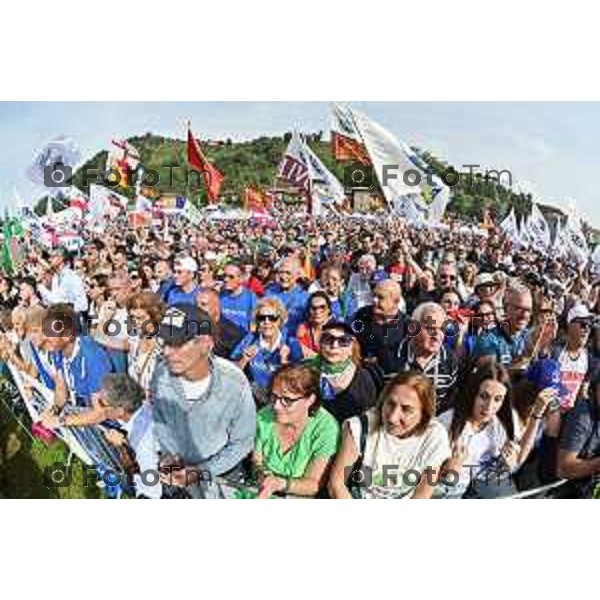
[(255, 162)]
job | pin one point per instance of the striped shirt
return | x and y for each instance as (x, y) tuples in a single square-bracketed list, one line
[(441, 370)]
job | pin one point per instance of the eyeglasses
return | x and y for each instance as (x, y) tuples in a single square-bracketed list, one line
[(285, 401), (583, 324), (343, 341), (521, 309), (284, 272), (267, 318), (318, 306)]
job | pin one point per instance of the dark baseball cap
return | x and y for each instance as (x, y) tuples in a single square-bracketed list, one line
[(182, 323)]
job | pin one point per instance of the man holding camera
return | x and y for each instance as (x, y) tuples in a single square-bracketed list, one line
[(204, 412)]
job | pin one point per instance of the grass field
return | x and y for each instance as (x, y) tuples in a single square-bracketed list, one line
[(23, 460)]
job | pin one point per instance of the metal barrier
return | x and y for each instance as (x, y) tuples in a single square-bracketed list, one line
[(539, 490)]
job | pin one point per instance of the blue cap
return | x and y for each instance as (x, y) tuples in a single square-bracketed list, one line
[(545, 373)]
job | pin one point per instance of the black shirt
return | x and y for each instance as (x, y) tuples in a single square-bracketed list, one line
[(228, 335), (379, 341), (358, 397)]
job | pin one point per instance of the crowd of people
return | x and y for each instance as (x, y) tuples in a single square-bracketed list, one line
[(336, 357)]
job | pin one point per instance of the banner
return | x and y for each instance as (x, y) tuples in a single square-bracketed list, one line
[(293, 168)]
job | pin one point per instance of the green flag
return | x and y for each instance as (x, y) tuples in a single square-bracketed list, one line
[(13, 230)]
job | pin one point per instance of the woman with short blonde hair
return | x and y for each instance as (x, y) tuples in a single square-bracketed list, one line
[(266, 347)]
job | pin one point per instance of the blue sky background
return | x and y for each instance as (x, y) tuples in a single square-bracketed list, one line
[(551, 148)]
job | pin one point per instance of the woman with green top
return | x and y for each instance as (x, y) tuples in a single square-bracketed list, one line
[(296, 439)]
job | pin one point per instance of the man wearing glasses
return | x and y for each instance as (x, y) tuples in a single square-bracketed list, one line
[(289, 292), (204, 413), (185, 289), (511, 339), (237, 302)]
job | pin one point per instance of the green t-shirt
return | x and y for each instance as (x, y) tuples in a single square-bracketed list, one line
[(320, 439)]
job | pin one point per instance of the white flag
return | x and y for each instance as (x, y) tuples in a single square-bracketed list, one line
[(389, 159), (510, 228), (576, 241), (325, 187), (538, 230), (437, 208)]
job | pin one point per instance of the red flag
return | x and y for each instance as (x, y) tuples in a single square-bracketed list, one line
[(346, 149), (255, 199), (213, 178)]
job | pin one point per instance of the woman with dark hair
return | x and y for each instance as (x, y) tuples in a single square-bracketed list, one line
[(146, 310), (397, 447), (347, 388), (296, 438), (489, 442), (482, 321), (309, 332), (97, 291)]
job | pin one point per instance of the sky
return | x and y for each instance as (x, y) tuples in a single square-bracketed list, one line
[(551, 148)]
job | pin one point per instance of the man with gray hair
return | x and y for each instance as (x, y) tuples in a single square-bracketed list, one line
[(512, 340), (359, 285), (380, 326), (423, 350)]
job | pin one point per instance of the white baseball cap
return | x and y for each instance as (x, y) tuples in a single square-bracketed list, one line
[(579, 311), (187, 264)]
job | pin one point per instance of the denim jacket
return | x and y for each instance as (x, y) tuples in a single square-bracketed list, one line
[(214, 432)]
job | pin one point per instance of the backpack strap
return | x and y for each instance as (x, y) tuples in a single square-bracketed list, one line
[(364, 431)]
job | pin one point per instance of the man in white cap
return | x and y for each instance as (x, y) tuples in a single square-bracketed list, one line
[(186, 289), (573, 355)]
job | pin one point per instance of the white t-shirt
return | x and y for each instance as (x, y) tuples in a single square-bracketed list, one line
[(572, 374), (390, 457), (194, 389), (483, 445)]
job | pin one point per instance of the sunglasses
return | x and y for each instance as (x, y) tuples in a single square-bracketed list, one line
[(285, 401), (229, 276), (448, 277), (343, 341), (583, 324), (267, 318)]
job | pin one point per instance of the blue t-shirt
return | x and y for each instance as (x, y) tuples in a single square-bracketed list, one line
[(85, 372), (165, 288), (261, 368), (295, 302), (238, 309), (497, 343), (344, 307), (177, 296)]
